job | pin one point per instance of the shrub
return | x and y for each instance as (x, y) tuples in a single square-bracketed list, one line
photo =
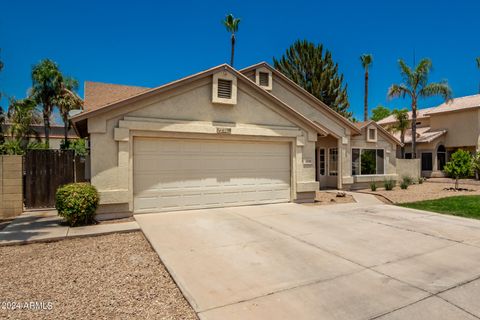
[(389, 184), (420, 180), (373, 186), (404, 185), (77, 203), (407, 180)]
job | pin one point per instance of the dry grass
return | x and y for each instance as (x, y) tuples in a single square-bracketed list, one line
[(426, 191), (114, 276)]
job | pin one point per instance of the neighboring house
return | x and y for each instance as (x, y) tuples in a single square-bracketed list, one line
[(223, 137), (441, 131), (56, 134)]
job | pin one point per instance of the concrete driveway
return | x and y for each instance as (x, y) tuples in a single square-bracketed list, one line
[(350, 261)]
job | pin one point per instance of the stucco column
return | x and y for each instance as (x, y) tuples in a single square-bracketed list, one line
[(340, 156)]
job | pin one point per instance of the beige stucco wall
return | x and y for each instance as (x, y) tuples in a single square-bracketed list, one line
[(187, 112), (409, 168), (463, 127), (11, 191)]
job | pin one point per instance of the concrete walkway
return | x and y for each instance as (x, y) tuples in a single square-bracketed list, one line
[(37, 226), (363, 260)]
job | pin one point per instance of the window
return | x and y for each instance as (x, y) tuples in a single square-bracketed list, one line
[(264, 80), (321, 162), (408, 155), (427, 163), (372, 134), (368, 161), (441, 157), (333, 162)]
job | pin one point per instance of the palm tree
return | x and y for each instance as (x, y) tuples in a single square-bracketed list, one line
[(477, 60), (415, 85), (47, 80), (231, 23), (66, 101), (366, 60), (401, 125), (21, 115)]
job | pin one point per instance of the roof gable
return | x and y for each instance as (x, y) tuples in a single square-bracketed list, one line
[(148, 93), (315, 101), (391, 137)]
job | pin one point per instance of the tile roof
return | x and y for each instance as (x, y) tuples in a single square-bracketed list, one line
[(98, 94), (462, 103), (421, 113), (424, 135)]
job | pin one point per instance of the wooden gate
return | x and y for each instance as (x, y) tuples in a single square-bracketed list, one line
[(45, 171)]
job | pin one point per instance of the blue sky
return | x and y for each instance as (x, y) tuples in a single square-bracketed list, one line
[(149, 43)]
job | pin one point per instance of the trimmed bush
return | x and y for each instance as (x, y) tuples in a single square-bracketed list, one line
[(77, 203), (373, 186), (389, 184), (404, 185)]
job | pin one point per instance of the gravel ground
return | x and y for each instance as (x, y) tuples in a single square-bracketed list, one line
[(324, 198), (115, 276), (425, 191)]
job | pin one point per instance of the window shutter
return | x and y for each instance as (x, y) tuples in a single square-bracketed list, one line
[(224, 89)]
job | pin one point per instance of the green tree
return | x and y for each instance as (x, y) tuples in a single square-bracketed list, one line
[(415, 85), (21, 115), (380, 112), (306, 64), (366, 60), (66, 101), (47, 84), (401, 125), (231, 24), (460, 166)]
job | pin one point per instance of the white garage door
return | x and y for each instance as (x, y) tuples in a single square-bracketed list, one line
[(189, 174)]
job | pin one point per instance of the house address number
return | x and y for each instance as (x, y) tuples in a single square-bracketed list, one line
[(224, 130)]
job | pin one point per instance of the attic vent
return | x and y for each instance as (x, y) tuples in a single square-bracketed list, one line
[(263, 79), (224, 89)]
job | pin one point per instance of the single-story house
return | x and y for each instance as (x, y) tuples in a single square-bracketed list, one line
[(442, 130), (224, 137)]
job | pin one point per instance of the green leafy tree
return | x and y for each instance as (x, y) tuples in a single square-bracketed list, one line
[(415, 85), (78, 145), (67, 100), (460, 166), (231, 24), (366, 60), (46, 86), (380, 112), (307, 65), (401, 125)]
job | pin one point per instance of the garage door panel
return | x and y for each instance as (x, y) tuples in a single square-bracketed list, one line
[(189, 174)]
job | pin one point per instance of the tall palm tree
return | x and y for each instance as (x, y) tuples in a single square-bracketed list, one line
[(366, 60), (66, 101), (477, 60), (401, 125), (415, 85), (46, 85), (231, 23)]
